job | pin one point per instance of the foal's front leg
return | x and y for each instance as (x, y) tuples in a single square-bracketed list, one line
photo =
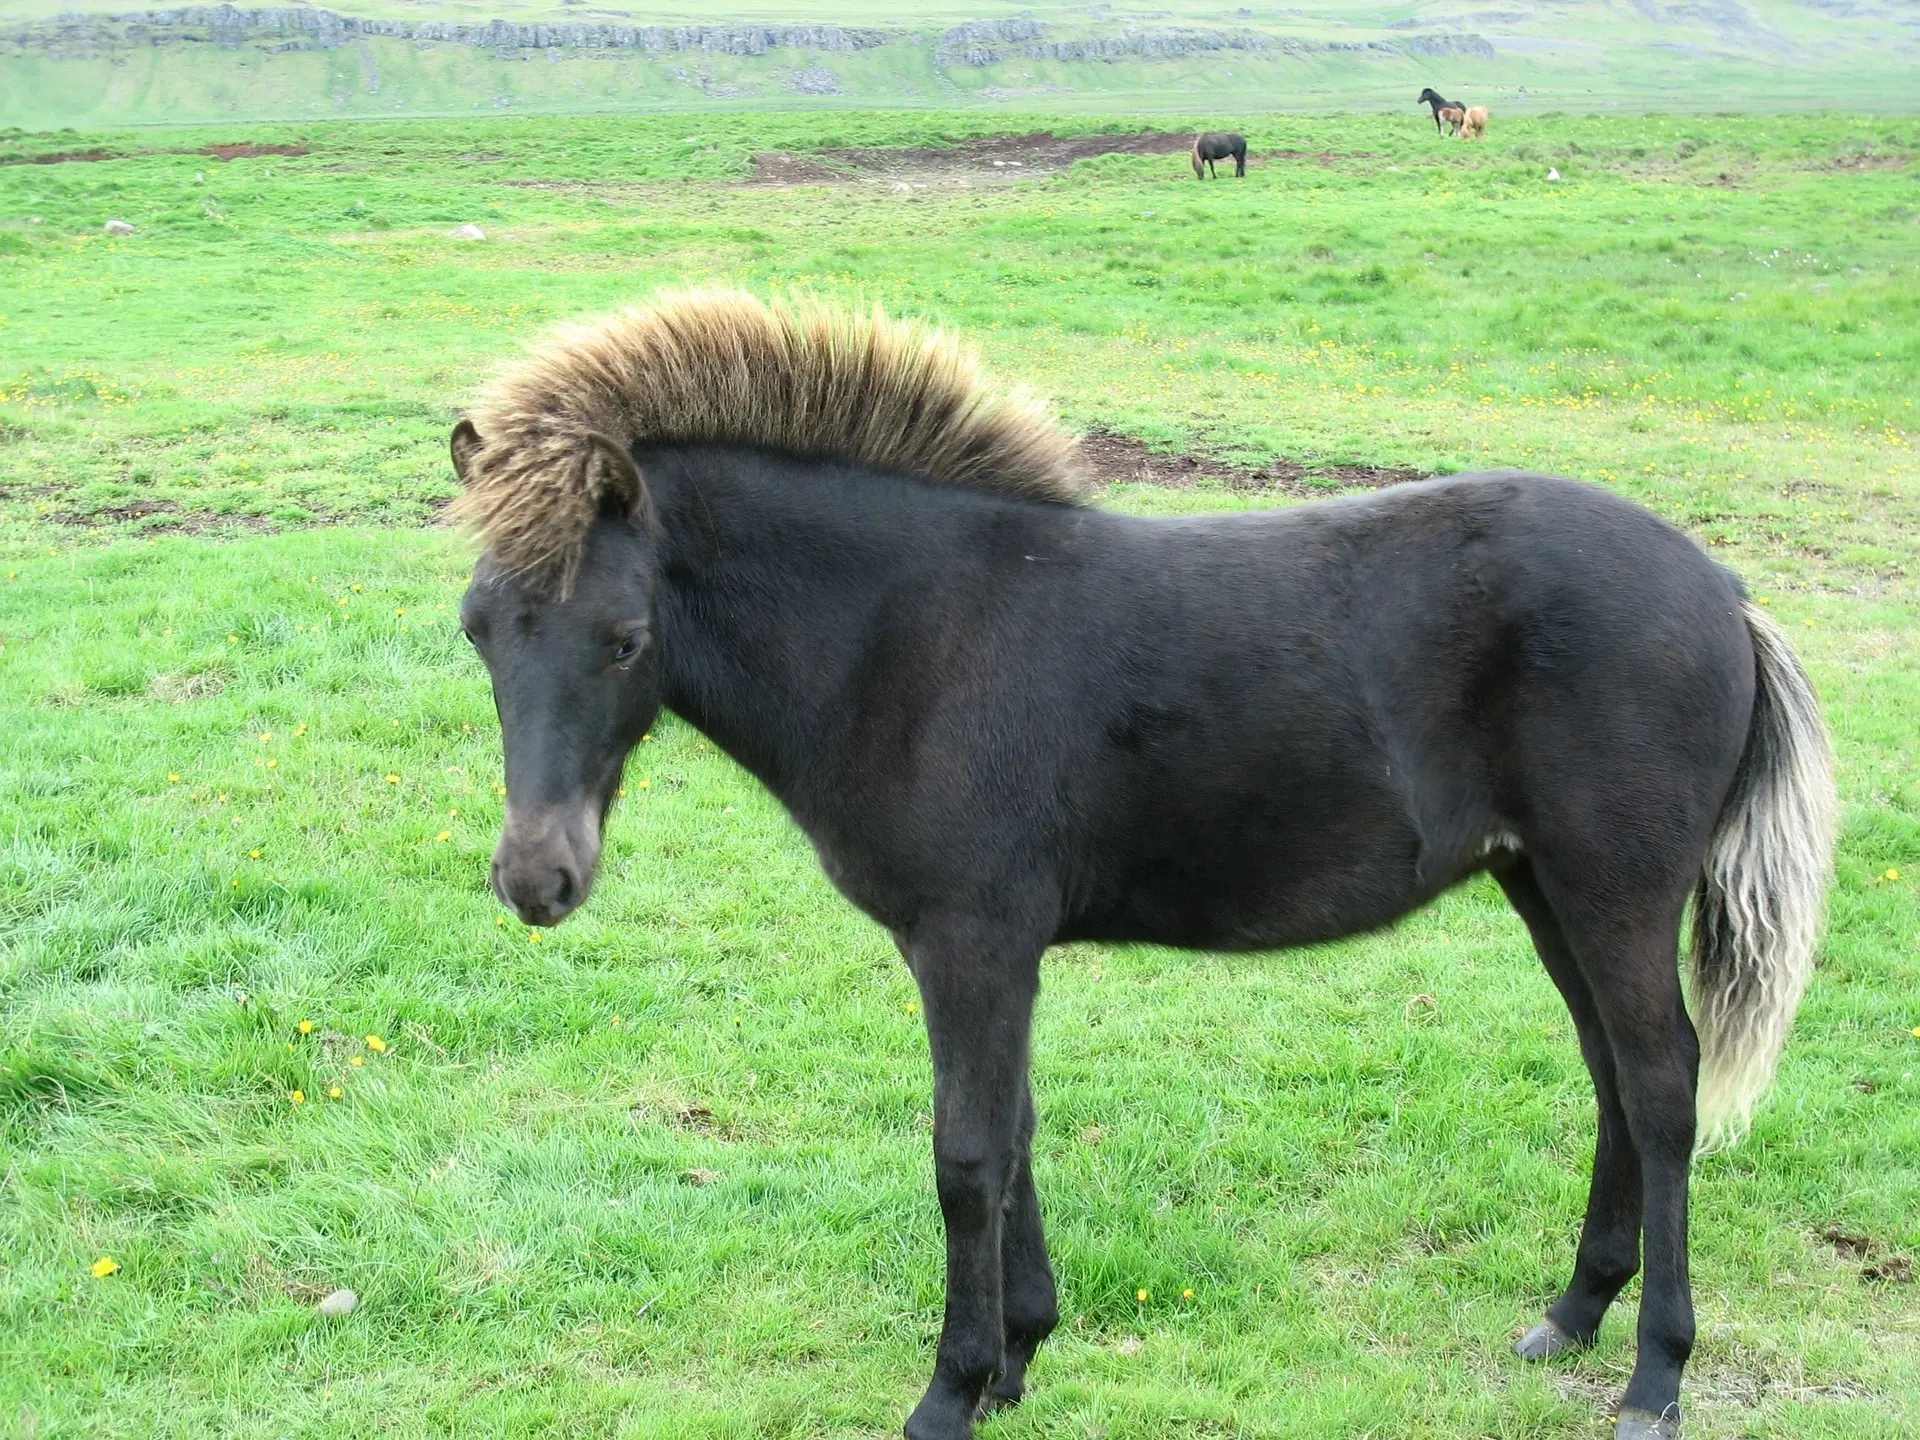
[(1029, 1301), (978, 987)]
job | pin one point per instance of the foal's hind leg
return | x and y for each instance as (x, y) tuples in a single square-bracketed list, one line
[(1609, 1252), (1029, 1301), (1628, 955)]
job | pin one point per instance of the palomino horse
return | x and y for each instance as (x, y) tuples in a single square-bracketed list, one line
[(1473, 125), (1007, 719), (1219, 145)]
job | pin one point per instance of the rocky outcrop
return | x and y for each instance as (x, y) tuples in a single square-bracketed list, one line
[(1477, 46), (974, 43), (324, 30)]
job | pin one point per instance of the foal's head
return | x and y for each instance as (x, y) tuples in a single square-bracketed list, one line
[(576, 680)]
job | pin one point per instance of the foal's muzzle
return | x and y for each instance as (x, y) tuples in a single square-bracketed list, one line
[(544, 866)]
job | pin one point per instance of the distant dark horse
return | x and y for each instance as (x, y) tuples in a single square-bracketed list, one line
[(1443, 109), (1006, 720), (1219, 145)]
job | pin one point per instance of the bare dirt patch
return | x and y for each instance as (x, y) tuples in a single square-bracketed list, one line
[(163, 517), (89, 157), (1120, 459), (1001, 158), (250, 152), (1881, 1268), (62, 157)]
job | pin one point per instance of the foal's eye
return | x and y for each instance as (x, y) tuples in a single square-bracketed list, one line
[(629, 648)]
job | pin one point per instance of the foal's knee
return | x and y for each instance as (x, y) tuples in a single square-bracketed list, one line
[(970, 1186)]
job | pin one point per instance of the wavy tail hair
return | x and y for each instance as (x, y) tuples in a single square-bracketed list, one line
[(1757, 908)]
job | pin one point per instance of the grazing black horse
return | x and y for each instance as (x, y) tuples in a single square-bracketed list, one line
[(1219, 145), (1457, 111), (1006, 719)]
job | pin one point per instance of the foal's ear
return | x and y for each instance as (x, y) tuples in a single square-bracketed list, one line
[(611, 477), (464, 441)]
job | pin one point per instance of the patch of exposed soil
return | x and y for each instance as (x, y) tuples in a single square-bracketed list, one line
[(88, 157), (166, 518), (250, 152), (997, 159), (1882, 1269), (1002, 158), (62, 157), (1867, 160), (1120, 459), (776, 167), (1325, 159)]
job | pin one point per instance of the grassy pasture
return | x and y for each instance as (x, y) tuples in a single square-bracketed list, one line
[(664, 1172)]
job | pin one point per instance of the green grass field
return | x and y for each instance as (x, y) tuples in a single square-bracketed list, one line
[(665, 1171)]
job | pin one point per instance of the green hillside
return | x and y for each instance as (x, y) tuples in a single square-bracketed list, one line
[(99, 65)]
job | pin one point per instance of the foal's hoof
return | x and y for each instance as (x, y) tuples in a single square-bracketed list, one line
[(1633, 1423), (1544, 1341), (992, 1403)]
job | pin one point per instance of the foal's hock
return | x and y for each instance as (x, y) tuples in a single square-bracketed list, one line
[(1006, 719)]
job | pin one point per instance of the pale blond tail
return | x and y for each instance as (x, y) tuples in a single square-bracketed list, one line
[(1757, 909)]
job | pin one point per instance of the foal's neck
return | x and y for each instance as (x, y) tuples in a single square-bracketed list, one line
[(803, 604)]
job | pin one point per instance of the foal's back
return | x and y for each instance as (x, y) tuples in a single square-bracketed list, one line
[(1299, 723)]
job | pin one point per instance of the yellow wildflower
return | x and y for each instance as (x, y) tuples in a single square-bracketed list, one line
[(253, 854), (616, 1019), (305, 1027), (1186, 1294), (376, 1045), (299, 1097), (1141, 1296), (1891, 875), (393, 779), (173, 779), (266, 736), (233, 639), (444, 835), (301, 728), (334, 1092), (273, 764), (103, 1267), (399, 612), (357, 1061)]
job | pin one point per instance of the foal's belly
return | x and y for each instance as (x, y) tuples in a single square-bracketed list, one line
[(1275, 879)]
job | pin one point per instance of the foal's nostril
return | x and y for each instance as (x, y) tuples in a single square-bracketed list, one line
[(563, 896)]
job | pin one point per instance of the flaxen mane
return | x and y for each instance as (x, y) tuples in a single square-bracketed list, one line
[(719, 367)]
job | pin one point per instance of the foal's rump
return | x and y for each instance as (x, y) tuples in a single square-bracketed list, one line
[(1343, 709)]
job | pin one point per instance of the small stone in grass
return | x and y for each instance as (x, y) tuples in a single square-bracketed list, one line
[(338, 1304), (119, 227), (466, 232), (701, 1176)]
